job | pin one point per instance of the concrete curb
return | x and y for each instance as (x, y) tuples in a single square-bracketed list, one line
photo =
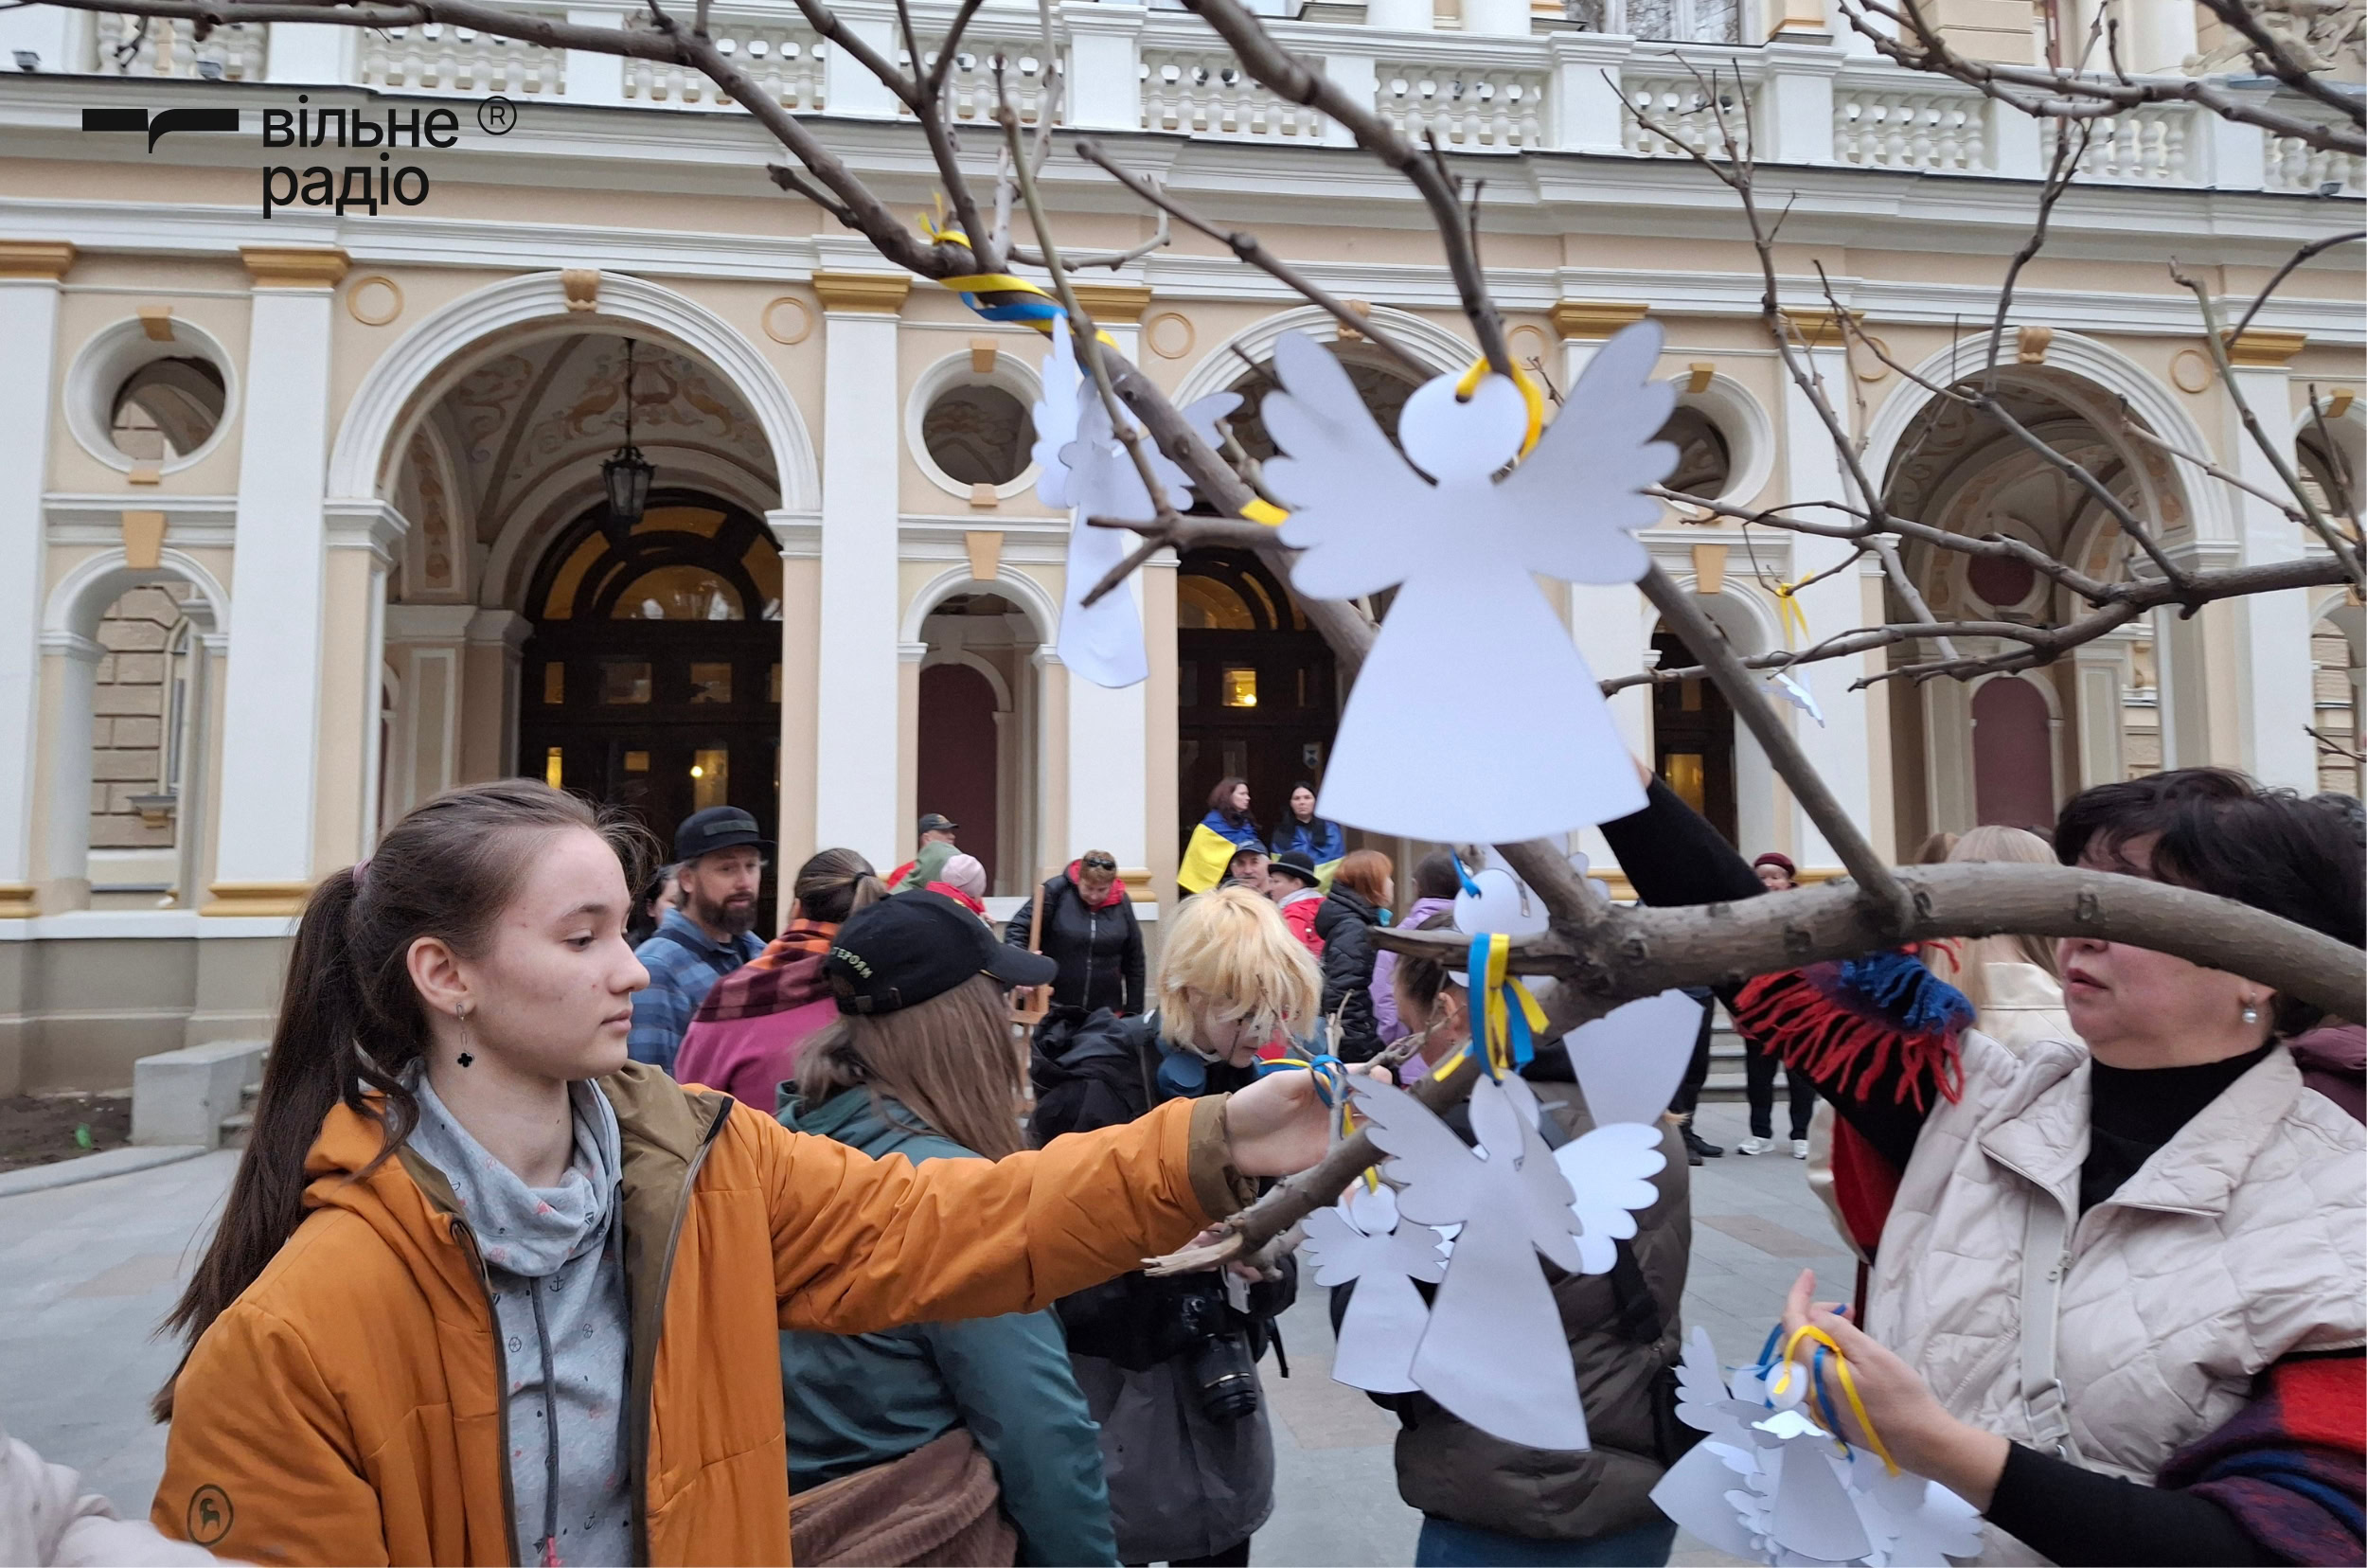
[(92, 1168)]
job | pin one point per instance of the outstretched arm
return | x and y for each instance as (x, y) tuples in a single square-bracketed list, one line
[(862, 1244)]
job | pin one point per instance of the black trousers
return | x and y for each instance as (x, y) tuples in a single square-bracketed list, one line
[(1696, 1070), (1758, 1069)]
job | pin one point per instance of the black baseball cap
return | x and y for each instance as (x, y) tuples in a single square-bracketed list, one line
[(717, 828), (1296, 862), (934, 823), (916, 946)]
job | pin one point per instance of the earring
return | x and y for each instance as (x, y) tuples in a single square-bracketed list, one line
[(2251, 1013), (461, 1013)]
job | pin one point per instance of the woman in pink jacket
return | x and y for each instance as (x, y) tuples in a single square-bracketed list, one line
[(745, 1036)]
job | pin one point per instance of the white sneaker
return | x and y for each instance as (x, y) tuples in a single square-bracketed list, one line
[(1752, 1145), (1799, 1149)]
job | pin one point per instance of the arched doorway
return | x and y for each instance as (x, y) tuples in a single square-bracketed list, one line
[(959, 739), (2011, 750), (652, 680), (2013, 754), (1257, 688), (1693, 738)]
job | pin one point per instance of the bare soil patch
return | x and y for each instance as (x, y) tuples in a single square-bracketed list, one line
[(37, 1129)]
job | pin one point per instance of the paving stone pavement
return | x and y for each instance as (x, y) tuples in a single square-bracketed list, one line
[(87, 1271)]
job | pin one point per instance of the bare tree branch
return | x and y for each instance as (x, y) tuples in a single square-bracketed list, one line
[(1642, 951), (2062, 94), (1244, 245), (1287, 75)]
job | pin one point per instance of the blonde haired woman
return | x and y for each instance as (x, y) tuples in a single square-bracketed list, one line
[(1168, 1367)]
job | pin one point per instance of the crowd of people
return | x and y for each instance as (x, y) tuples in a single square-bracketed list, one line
[(570, 1232)]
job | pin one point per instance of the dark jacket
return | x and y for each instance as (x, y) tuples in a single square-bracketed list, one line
[(1322, 839), (1346, 922), (1099, 951), (1623, 1330), (856, 1401), (1181, 1485)]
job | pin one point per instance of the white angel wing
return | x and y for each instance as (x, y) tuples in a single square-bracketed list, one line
[(1918, 1520), (1506, 1117), (1609, 1171), (1576, 500), (1338, 1253), (1444, 1183), (1363, 515), (1055, 417), (1695, 1493)]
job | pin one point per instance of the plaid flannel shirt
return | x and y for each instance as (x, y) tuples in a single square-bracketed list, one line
[(683, 962)]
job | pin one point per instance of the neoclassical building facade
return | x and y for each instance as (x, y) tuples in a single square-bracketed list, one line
[(302, 514)]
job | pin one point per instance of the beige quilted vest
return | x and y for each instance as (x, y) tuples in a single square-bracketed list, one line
[(2243, 1240)]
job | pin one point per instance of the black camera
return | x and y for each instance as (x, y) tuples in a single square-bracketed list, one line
[(1223, 1374)]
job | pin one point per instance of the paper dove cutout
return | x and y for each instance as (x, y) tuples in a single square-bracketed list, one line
[(1798, 695), (1086, 468), (1506, 904), (1471, 647), (1768, 1485), (1364, 1239), (1629, 1060)]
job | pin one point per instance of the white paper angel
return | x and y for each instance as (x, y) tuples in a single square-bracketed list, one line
[(1472, 648), (1494, 1352), (1767, 1484), (1082, 466), (1630, 1061), (1364, 1240)]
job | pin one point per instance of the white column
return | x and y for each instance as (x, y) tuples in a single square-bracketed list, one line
[(2273, 630), (2098, 666), (427, 647), (311, 56), (1497, 18), (52, 34), (2233, 155), (856, 708), (1105, 51), (1797, 106), (1108, 774), (265, 853), (593, 76), (67, 857), (1842, 750), (29, 278), (1612, 625), (1356, 76), (1586, 109), (848, 88)]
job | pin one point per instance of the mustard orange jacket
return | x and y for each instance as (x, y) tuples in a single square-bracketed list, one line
[(348, 1408)]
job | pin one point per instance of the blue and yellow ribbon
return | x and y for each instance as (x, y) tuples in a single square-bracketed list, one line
[(1824, 1404), (1505, 1019), (1331, 1087)]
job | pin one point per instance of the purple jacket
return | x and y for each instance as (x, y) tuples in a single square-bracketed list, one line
[(1385, 969)]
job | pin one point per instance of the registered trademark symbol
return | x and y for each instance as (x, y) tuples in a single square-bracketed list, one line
[(497, 116)]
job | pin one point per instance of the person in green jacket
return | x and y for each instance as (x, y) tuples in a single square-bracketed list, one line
[(884, 1086)]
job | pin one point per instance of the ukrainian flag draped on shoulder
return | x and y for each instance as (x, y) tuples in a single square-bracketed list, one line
[(1205, 859)]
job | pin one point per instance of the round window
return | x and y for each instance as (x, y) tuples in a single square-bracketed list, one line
[(167, 409), (978, 434), (1704, 462), (150, 393)]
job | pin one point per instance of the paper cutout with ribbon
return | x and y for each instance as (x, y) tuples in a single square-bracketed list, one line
[(1471, 647), (1803, 1497)]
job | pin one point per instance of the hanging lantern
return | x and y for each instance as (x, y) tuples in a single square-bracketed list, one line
[(626, 475)]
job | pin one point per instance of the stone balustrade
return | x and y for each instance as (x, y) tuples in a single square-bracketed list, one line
[(1490, 88)]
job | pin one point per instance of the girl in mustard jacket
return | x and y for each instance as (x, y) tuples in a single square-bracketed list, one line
[(485, 1291)]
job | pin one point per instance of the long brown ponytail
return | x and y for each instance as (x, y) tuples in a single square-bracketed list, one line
[(834, 883), (350, 1022)]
